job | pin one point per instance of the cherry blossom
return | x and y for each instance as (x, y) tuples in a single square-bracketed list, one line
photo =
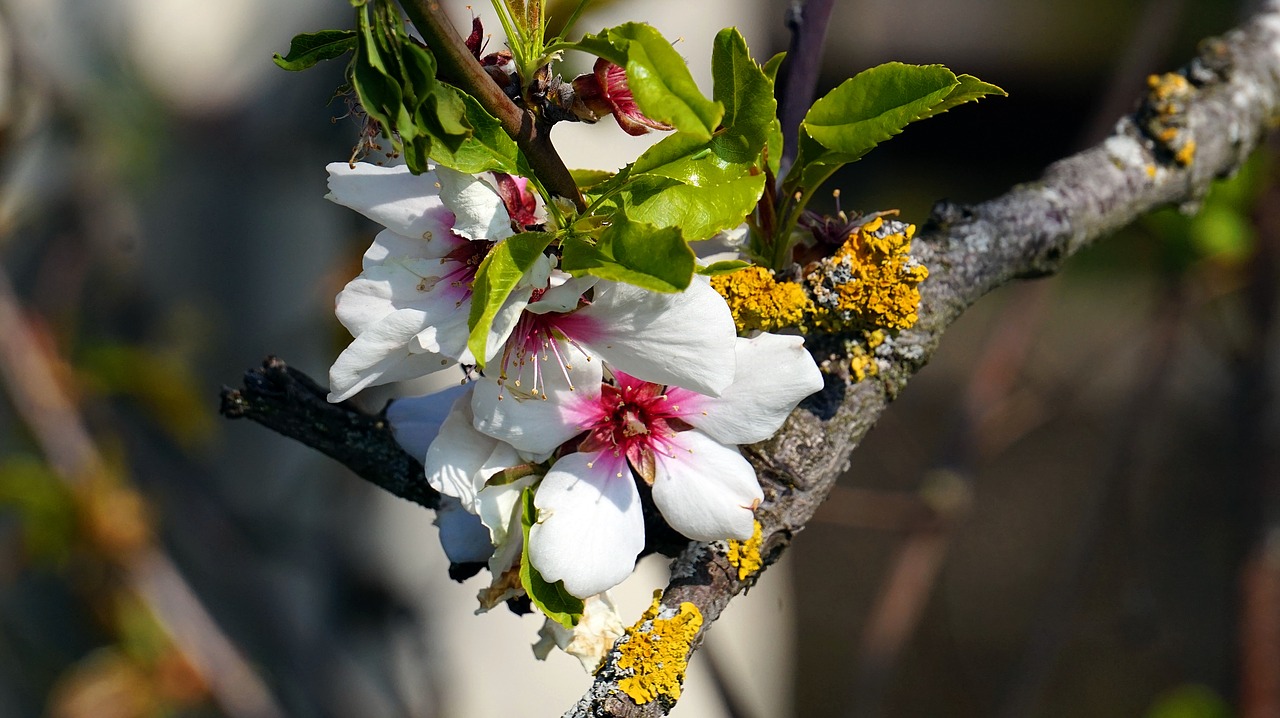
[(681, 443), (408, 308)]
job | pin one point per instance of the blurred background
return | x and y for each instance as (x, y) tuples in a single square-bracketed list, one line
[(1071, 511)]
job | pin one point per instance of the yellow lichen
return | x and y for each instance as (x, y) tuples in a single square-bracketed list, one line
[(745, 555), (759, 302), (1163, 116), (861, 361), (656, 652), (870, 281), (1167, 86), (1151, 171), (1185, 155)]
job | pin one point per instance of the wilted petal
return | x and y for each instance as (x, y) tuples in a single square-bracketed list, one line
[(774, 373), (588, 641), (391, 196), (590, 526), (706, 490), (683, 339)]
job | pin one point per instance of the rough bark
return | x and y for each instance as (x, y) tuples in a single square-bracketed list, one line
[(1232, 100)]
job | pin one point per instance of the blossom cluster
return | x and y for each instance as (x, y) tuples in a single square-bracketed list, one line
[(595, 397)]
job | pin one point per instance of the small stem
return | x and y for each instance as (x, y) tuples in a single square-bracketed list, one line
[(460, 68), (808, 20)]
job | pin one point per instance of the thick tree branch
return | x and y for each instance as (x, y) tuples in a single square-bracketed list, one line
[(1233, 98), (1027, 232), (289, 402)]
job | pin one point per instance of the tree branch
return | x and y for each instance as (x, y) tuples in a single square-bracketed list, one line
[(289, 402), (459, 67), (1167, 153), (1028, 232)]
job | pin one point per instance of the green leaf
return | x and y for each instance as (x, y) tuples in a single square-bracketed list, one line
[(730, 266), (395, 79), (657, 75), (309, 48), (970, 89), (683, 182), (496, 277), (588, 178), (656, 258), (551, 598), (876, 104), (719, 201), (747, 95), (47, 511), (771, 67), (487, 148)]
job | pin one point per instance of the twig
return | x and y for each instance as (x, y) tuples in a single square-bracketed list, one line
[(808, 21), (289, 402), (461, 68)]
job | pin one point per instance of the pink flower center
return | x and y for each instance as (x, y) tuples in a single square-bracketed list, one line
[(534, 346), (635, 419), (466, 261)]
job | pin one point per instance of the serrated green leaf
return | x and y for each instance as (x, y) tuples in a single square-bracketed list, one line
[(656, 258), (495, 279), (310, 48), (730, 266), (699, 210), (876, 104), (487, 148), (587, 178), (657, 76), (551, 598), (771, 67), (969, 89), (747, 95)]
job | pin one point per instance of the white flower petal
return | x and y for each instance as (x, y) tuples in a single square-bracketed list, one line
[(478, 210), (464, 538), (537, 424), (683, 339), (390, 246), (590, 526), (563, 295), (381, 290), (379, 356), (774, 373), (461, 459), (391, 196), (415, 420), (706, 490)]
